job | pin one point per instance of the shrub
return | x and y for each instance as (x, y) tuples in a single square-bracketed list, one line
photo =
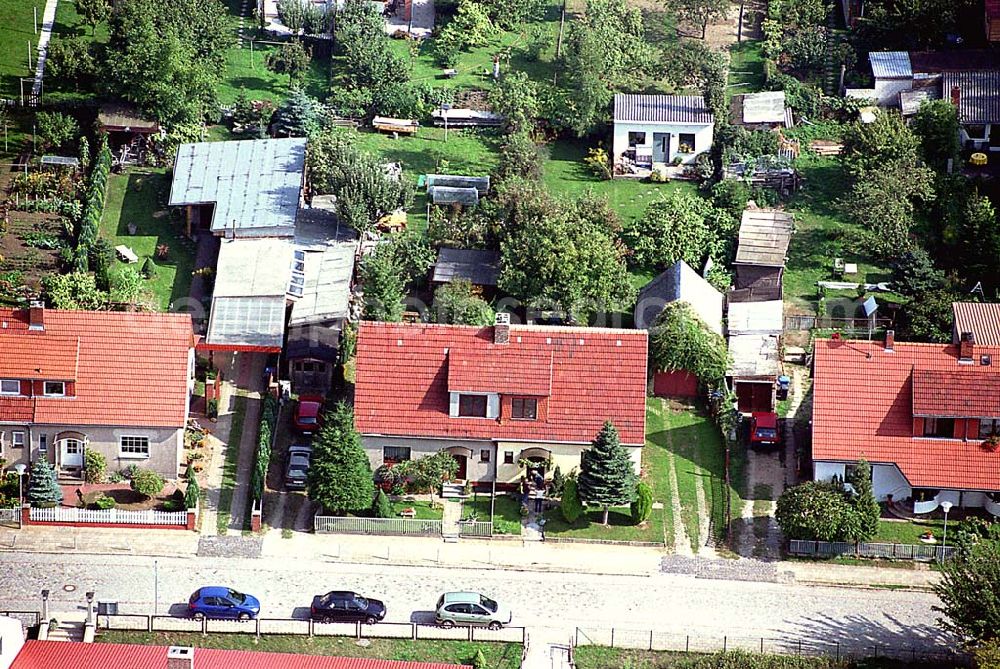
[(105, 502), (597, 162), (146, 482), (479, 660), (643, 504), (193, 492), (94, 467), (570, 505), (173, 505), (558, 483), (815, 511), (381, 508), (212, 408), (148, 269)]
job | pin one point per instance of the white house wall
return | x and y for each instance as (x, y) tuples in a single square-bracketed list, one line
[(887, 480), (702, 138)]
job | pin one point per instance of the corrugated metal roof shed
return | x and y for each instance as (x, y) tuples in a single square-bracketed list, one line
[(680, 282), (468, 197), (480, 268), (481, 184), (979, 95), (890, 64), (662, 109), (254, 184), (765, 107), (327, 291), (253, 267), (247, 321), (56, 654), (756, 317), (754, 355), (764, 236), (982, 319)]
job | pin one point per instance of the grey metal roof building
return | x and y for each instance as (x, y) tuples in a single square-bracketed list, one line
[(632, 108), (680, 282), (890, 64), (763, 238), (978, 95), (255, 185), (480, 268), (326, 294)]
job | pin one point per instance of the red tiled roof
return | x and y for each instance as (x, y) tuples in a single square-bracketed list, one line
[(130, 369), (956, 392), (980, 318), (500, 368), (404, 371), (55, 654), (863, 408)]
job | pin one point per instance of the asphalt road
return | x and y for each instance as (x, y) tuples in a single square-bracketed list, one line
[(553, 604)]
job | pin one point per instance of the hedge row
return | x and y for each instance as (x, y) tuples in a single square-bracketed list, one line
[(93, 207), (265, 438)]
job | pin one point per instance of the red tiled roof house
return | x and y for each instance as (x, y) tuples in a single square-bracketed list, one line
[(492, 396), (920, 413), (113, 382)]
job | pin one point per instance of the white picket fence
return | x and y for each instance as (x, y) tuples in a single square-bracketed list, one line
[(392, 526), (108, 516)]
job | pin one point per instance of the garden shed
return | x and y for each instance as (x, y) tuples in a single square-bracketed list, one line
[(480, 184), (659, 129), (763, 244), (478, 267)]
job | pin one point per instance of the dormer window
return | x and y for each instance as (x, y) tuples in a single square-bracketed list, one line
[(524, 408), (10, 387), (54, 389), (989, 427), (940, 428), (472, 406)]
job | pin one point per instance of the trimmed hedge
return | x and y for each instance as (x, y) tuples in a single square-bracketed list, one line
[(93, 208), (268, 420)]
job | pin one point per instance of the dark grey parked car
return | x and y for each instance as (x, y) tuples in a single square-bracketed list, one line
[(299, 459)]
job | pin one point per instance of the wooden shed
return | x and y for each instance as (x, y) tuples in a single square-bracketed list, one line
[(763, 243)]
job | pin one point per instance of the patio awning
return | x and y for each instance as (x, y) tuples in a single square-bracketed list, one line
[(536, 452)]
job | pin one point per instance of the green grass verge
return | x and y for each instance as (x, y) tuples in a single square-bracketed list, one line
[(17, 37), (139, 197), (619, 527), (656, 465), (602, 657), (506, 512), (228, 485), (498, 655)]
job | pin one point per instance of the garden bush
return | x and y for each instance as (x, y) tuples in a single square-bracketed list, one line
[(146, 482), (94, 467), (381, 508), (105, 502), (570, 506), (643, 504), (193, 492), (173, 505), (269, 417)]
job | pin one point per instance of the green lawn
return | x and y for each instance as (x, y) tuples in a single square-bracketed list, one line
[(619, 527), (694, 439), (820, 227), (139, 196), (506, 512), (423, 509), (228, 486), (746, 68), (498, 655), (17, 32), (908, 532), (602, 657), (247, 70)]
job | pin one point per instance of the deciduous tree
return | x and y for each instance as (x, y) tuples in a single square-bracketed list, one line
[(969, 592), (814, 511), (700, 13), (456, 303), (607, 477), (515, 97), (678, 225), (680, 341), (936, 126), (56, 129), (340, 476), (292, 58), (94, 11)]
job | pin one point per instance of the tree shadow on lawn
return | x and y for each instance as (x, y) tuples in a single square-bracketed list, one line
[(259, 84)]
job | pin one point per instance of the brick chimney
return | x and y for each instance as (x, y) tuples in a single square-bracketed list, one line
[(965, 346), (36, 315), (956, 95), (890, 340), (501, 329), (180, 657)]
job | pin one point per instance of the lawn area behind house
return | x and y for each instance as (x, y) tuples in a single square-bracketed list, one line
[(246, 69), (746, 68), (140, 197), (17, 32), (506, 512), (498, 655)]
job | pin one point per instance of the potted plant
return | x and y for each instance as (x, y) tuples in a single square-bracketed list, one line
[(991, 443)]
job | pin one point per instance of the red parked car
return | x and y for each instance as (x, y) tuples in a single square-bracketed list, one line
[(764, 429), (306, 418)]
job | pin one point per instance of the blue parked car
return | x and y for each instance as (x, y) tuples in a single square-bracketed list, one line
[(216, 602)]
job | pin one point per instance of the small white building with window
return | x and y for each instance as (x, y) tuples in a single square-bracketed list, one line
[(112, 382), (652, 130), (497, 398)]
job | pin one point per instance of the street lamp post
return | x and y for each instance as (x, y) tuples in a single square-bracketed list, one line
[(946, 507), (20, 468), (45, 607), (90, 607), (445, 108)]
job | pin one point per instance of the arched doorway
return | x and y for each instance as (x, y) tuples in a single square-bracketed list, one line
[(461, 455)]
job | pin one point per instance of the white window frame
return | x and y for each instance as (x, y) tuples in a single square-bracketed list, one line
[(45, 389), (16, 391), (15, 437), (133, 454)]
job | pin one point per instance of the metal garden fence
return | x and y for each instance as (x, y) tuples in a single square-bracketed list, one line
[(10, 516), (386, 526), (475, 529), (921, 552)]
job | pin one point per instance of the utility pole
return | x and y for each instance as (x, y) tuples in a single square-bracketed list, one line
[(739, 24)]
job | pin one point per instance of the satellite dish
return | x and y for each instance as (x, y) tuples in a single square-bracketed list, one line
[(871, 306)]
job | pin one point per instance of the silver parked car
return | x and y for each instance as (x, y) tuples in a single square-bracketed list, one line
[(470, 608), (299, 459)]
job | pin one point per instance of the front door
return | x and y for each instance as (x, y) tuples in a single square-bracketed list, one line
[(661, 147), (71, 454), (463, 466)]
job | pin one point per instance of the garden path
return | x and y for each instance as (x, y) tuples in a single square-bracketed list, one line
[(48, 18), (682, 544)]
